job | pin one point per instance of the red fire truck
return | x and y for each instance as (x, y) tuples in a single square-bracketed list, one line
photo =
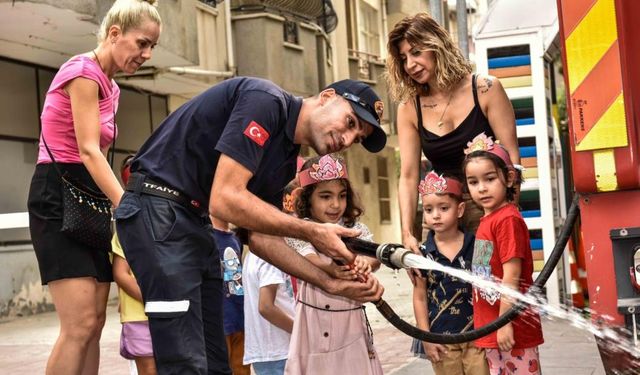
[(601, 58)]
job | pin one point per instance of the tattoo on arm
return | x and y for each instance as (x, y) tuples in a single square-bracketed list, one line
[(485, 88)]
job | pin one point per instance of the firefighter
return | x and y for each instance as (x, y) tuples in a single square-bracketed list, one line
[(229, 152)]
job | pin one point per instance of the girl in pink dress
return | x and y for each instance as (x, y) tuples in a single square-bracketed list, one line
[(330, 333)]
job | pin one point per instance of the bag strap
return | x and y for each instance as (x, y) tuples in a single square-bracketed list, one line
[(53, 160)]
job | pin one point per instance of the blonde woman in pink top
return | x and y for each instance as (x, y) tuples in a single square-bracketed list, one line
[(78, 124)]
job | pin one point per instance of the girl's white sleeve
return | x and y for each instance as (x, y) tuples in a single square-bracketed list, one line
[(365, 232), (303, 248)]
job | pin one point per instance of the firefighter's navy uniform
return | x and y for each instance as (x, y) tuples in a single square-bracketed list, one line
[(162, 219)]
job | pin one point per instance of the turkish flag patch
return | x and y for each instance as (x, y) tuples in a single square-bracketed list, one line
[(256, 133)]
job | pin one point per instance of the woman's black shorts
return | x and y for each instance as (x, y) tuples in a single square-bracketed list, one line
[(59, 256)]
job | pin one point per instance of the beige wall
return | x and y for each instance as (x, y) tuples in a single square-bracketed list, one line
[(398, 9), (176, 101), (179, 31), (262, 52), (357, 160), (212, 45)]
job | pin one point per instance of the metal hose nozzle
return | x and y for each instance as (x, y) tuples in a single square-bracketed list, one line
[(390, 254)]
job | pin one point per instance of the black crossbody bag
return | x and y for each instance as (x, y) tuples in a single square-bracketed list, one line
[(86, 213)]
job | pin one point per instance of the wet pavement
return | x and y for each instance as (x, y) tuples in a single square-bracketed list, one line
[(25, 342)]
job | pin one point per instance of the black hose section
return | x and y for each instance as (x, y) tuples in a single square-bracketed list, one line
[(360, 246), (563, 238), (458, 338)]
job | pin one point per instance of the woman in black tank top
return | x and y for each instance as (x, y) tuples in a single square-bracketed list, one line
[(442, 107)]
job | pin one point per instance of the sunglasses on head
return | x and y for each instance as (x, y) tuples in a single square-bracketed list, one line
[(356, 99)]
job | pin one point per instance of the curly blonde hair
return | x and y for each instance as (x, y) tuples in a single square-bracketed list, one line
[(424, 33)]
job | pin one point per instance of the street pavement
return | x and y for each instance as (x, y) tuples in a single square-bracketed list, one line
[(26, 342), (567, 350)]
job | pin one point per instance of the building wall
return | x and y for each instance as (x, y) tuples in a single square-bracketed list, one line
[(361, 163), (398, 9), (212, 39), (261, 51), (179, 31), (48, 32)]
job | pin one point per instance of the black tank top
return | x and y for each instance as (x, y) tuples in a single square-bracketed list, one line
[(446, 152)]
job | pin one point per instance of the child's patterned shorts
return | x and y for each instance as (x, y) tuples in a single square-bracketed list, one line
[(514, 362)]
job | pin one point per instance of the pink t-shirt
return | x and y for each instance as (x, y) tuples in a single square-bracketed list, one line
[(57, 120)]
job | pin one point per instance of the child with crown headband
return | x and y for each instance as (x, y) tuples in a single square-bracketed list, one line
[(330, 334), (442, 303), (502, 251)]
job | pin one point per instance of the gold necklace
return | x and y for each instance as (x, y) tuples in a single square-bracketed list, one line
[(440, 123)]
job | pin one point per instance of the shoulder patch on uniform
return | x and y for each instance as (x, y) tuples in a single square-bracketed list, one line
[(256, 133)]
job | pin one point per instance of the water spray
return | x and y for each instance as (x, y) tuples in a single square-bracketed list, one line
[(392, 255)]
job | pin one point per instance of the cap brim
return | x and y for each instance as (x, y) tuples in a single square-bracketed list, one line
[(376, 141)]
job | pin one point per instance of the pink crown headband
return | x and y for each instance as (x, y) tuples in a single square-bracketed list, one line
[(438, 184), (299, 163), (327, 169), (482, 142)]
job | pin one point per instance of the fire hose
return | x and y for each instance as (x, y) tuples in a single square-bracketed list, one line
[(392, 255)]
